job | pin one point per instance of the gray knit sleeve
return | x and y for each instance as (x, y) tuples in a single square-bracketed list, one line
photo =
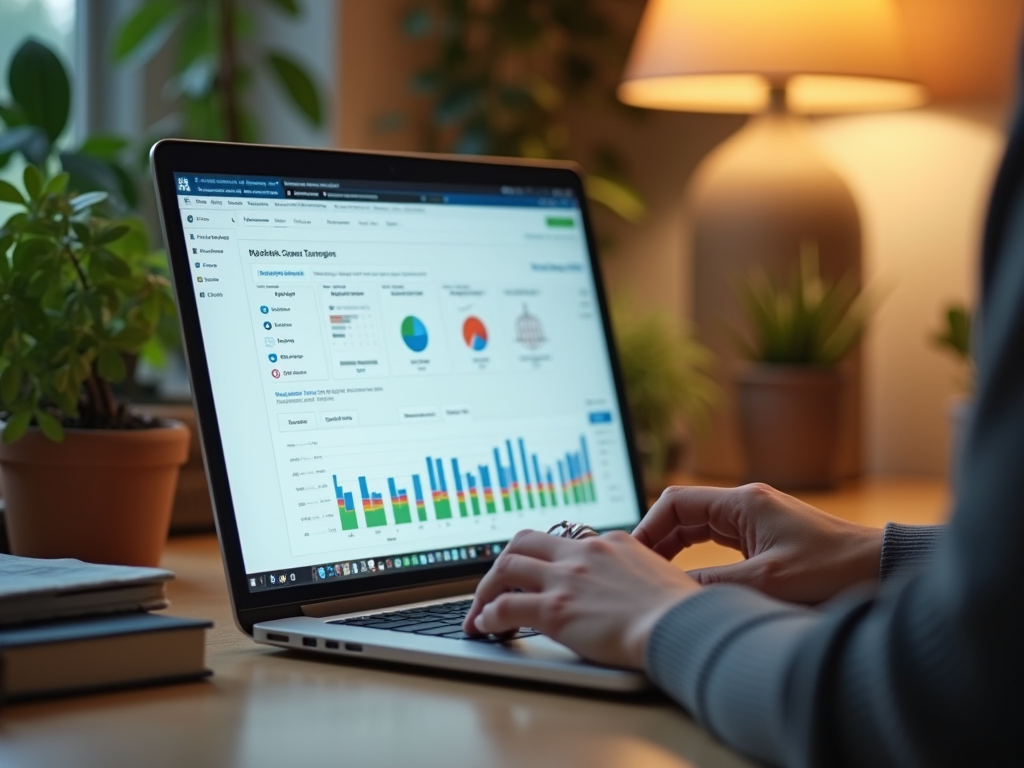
[(728, 628), (906, 546)]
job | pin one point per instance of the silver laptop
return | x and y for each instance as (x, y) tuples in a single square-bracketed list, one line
[(398, 362)]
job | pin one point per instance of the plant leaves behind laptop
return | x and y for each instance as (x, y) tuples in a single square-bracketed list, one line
[(79, 293)]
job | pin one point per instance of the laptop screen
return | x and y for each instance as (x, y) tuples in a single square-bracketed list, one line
[(403, 376)]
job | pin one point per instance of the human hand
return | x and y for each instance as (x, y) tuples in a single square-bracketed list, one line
[(793, 551), (599, 596)]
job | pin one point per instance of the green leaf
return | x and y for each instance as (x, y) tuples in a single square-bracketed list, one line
[(103, 146), (110, 365), (617, 196), (81, 202), (17, 426), (39, 86), (146, 30), (10, 194), (34, 181), (10, 382), (29, 252), (111, 263), (57, 184), (50, 426), (29, 140), (82, 231), (298, 84), (11, 115), (290, 7), (112, 234), (89, 174)]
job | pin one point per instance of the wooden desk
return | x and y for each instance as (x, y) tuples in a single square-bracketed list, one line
[(265, 707)]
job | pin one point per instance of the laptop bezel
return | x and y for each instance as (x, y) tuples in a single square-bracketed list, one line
[(183, 156)]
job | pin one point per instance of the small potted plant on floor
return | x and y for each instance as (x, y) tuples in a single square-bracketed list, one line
[(800, 329), (83, 476)]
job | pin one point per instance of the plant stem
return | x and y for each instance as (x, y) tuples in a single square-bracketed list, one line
[(78, 268), (227, 72), (104, 403), (99, 398)]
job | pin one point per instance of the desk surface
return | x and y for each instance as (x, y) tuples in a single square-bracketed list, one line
[(265, 707)]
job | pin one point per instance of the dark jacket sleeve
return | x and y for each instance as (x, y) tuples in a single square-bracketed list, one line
[(927, 669), (907, 546)]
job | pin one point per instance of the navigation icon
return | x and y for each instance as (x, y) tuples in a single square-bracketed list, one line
[(275, 373), (268, 325), (273, 357)]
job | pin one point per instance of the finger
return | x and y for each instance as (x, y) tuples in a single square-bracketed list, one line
[(747, 572), (510, 572), (681, 538), (690, 506), (509, 612), (538, 545)]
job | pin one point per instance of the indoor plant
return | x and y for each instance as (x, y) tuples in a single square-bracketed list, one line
[(955, 338), (83, 476), (789, 399), (668, 386)]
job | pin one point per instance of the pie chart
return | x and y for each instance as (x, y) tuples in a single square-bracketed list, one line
[(414, 333), (474, 334)]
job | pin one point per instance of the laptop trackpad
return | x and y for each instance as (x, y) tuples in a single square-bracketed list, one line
[(539, 647)]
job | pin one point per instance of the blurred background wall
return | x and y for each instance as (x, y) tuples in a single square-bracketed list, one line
[(921, 179)]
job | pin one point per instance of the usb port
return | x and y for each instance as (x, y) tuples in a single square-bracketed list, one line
[(354, 647), (331, 645), (277, 638), (309, 642)]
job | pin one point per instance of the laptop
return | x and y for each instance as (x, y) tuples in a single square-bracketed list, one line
[(397, 362)]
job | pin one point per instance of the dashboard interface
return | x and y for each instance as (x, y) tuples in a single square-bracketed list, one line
[(404, 376)]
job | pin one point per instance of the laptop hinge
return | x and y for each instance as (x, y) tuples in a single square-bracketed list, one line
[(388, 599)]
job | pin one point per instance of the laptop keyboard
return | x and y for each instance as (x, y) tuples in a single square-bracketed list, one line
[(442, 620)]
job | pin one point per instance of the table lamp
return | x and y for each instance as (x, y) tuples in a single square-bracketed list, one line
[(766, 190)]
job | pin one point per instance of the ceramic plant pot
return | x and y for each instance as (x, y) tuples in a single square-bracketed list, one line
[(790, 420), (103, 496)]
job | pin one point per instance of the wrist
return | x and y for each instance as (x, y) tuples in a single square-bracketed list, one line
[(867, 563)]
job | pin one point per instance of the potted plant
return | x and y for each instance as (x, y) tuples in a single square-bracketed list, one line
[(789, 398), (955, 339), (83, 476), (668, 386)]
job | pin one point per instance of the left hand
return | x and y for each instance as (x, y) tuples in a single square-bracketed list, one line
[(600, 596)]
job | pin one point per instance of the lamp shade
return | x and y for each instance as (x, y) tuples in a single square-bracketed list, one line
[(726, 55)]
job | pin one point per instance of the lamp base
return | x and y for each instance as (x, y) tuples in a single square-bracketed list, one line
[(754, 200)]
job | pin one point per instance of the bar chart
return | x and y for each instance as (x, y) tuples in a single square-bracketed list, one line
[(520, 482)]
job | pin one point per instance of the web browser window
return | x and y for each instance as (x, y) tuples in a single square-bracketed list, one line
[(403, 377)]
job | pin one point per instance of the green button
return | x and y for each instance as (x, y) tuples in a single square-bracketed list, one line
[(561, 221)]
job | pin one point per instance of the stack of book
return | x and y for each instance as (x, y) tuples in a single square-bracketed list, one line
[(71, 627)]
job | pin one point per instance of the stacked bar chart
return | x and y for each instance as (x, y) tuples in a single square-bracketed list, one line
[(523, 482), (373, 506), (346, 507)]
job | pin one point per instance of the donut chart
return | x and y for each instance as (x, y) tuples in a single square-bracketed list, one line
[(474, 333), (414, 333)]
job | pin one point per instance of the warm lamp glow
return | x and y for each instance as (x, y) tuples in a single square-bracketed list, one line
[(725, 55)]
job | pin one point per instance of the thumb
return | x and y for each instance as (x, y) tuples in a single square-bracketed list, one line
[(748, 572)]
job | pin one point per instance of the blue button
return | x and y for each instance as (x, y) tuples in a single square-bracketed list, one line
[(600, 417)]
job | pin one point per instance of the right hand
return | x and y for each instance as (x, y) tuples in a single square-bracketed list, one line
[(792, 551)]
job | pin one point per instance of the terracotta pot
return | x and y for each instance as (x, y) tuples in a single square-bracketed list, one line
[(192, 511), (790, 421), (103, 496)]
